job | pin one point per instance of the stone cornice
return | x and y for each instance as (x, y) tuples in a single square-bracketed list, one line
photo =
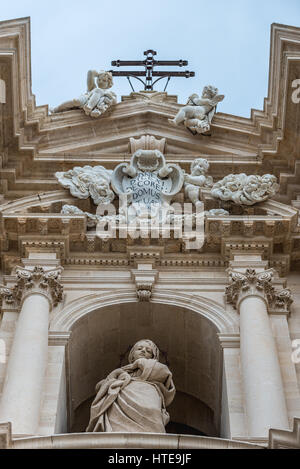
[(22, 230)]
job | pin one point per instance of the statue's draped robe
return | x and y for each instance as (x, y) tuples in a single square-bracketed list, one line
[(133, 399)]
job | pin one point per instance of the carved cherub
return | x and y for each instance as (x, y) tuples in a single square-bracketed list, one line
[(197, 179), (198, 112), (96, 100)]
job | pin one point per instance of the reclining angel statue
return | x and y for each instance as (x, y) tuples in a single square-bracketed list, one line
[(97, 99), (134, 398), (198, 112)]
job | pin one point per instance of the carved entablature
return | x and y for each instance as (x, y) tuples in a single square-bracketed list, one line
[(38, 223), (46, 283), (252, 283)]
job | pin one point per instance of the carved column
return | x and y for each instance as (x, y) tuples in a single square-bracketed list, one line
[(252, 294), (36, 291)]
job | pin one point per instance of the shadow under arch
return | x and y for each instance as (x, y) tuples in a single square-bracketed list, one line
[(185, 327)]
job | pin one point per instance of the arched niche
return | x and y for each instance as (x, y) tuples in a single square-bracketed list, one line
[(101, 339)]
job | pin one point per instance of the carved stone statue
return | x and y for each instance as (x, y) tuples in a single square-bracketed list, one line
[(245, 190), (197, 179), (97, 99), (134, 398), (88, 181), (198, 112)]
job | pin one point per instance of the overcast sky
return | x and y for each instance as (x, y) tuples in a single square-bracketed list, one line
[(226, 43)]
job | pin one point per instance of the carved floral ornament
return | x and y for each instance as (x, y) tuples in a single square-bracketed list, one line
[(34, 281), (252, 283)]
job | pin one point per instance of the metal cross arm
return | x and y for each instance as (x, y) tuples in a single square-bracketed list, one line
[(149, 63)]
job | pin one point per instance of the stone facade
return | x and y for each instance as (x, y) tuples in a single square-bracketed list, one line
[(225, 315)]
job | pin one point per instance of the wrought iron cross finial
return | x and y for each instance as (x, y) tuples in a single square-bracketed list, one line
[(149, 63)]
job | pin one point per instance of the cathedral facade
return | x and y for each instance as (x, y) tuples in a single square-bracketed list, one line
[(214, 282)]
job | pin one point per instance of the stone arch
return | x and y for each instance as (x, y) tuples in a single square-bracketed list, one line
[(215, 312), (104, 326)]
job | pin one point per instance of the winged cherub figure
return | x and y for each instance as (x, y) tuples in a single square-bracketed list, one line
[(198, 112), (97, 99)]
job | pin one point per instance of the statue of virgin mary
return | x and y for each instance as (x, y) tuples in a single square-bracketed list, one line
[(134, 398)]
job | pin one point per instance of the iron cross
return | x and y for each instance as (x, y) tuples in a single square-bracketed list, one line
[(149, 63)]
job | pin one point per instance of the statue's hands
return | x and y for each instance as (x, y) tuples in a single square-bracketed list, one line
[(140, 362), (115, 374)]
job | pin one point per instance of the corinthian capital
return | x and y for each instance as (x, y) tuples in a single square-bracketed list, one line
[(6, 295), (34, 281), (252, 283)]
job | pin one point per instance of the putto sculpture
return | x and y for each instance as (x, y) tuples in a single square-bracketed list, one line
[(198, 112), (134, 398), (97, 99), (197, 179), (245, 190)]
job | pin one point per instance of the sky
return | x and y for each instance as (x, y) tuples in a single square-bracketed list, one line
[(226, 43)]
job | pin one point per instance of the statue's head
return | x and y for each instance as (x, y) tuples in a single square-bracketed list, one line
[(144, 348), (209, 92), (199, 166), (104, 80)]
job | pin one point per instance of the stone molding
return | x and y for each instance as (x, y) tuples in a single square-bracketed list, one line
[(31, 223), (229, 340), (64, 319), (251, 283), (129, 440), (283, 439), (144, 291), (36, 281), (5, 435), (59, 338)]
